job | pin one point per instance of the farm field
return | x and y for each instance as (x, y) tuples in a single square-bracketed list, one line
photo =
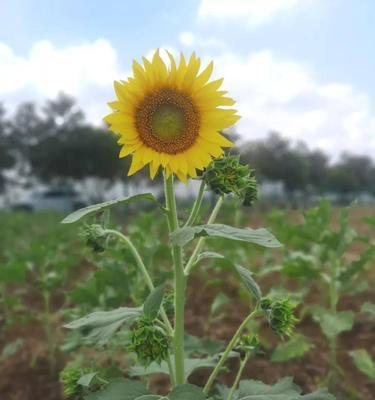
[(49, 277)]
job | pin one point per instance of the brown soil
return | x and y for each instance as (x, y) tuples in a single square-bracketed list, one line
[(26, 374)]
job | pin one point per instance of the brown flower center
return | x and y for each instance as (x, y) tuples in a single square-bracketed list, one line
[(167, 121)]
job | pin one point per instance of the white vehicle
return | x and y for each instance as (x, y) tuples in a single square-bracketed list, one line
[(63, 201)]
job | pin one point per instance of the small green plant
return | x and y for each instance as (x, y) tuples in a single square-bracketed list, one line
[(321, 254)]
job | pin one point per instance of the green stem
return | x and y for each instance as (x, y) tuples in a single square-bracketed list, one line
[(143, 269), (48, 331), (179, 284), (197, 205), (238, 376), (333, 295), (171, 372), (227, 351), (201, 241)]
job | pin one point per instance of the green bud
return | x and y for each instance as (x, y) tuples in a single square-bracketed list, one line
[(280, 315), (95, 237), (249, 342), (69, 378), (225, 175), (149, 342)]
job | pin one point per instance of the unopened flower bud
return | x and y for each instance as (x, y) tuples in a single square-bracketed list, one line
[(249, 342), (225, 175), (149, 342), (69, 378), (95, 237), (280, 315)]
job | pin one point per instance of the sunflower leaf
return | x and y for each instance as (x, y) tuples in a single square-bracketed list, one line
[(260, 236), (100, 326), (100, 207)]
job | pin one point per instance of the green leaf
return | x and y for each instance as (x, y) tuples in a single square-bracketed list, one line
[(85, 380), (368, 308), (187, 392), (191, 365), (321, 394), (100, 326), (358, 265), (120, 389), (153, 302), (259, 236), (202, 346), (284, 389), (220, 300), (364, 362), (151, 397), (208, 255), (249, 282), (95, 208), (295, 347), (333, 324)]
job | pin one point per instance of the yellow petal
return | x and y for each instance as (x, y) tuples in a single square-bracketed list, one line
[(164, 159), (173, 69), (203, 77), (182, 177), (212, 148), (137, 163), (191, 71), (160, 69), (147, 154), (215, 137), (126, 150), (154, 166), (181, 162), (192, 171)]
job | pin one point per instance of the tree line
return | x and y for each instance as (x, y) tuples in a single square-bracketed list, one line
[(54, 143)]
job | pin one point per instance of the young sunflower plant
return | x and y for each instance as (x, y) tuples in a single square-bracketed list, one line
[(168, 116)]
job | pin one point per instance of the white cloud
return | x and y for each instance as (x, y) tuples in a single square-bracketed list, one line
[(187, 38), (255, 12), (85, 71), (190, 39), (274, 94)]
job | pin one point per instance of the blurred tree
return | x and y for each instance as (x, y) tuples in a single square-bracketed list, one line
[(77, 153), (274, 159), (352, 175), (317, 165), (62, 113), (7, 159)]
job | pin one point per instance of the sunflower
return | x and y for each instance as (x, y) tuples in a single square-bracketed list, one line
[(170, 116)]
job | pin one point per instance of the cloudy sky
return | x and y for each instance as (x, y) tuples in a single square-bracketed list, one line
[(305, 68)]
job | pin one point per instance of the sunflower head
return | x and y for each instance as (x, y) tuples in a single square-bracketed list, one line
[(169, 116)]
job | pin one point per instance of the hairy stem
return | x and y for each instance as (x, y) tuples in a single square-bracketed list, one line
[(143, 269), (197, 205), (179, 284), (238, 376), (227, 351), (201, 241)]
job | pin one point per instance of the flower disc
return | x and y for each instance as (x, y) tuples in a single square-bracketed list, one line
[(171, 116)]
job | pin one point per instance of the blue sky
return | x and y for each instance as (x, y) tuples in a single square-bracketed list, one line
[(304, 67)]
